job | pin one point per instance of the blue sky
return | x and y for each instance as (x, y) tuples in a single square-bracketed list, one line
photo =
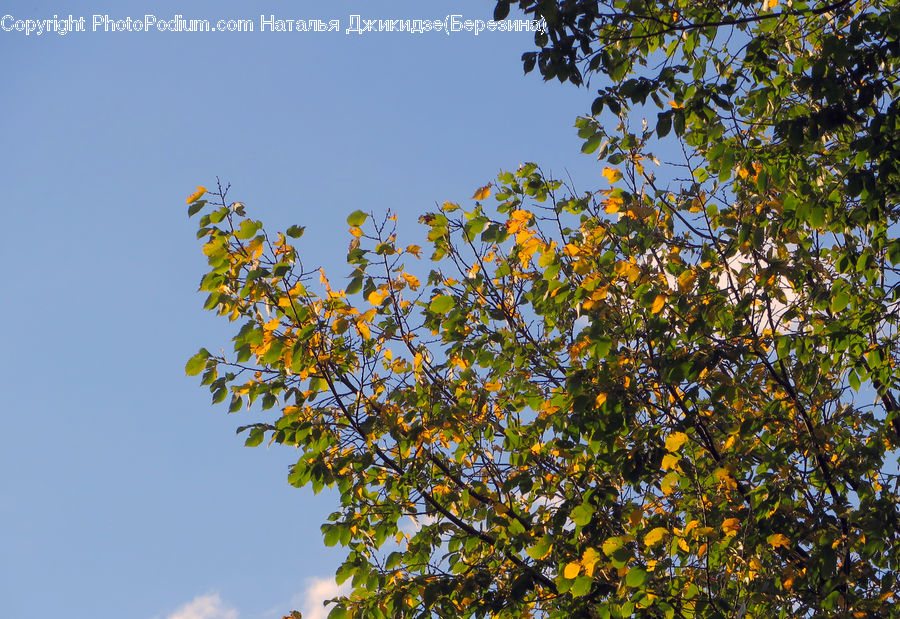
[(123, 493)]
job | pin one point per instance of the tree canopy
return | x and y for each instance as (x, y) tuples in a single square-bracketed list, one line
[(673, 395)]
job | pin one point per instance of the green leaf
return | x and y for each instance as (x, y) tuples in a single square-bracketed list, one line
[(219, 395), (332, 534), (197, 363), (355, 285), (474, 227), (441, 304), (256, 437), (853, 380), (236, 403), (663, 123), (247, 229), (196, 207), (582, 514), (893, 252), (581, 586), (338, 612), (592, 144), (817, 217), (541, 549), (840, 301), (295, 232), (280, 269), (636, 577), (357, 218), (678, 120)]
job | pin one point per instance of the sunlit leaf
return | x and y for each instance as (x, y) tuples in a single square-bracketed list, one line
[(778, 540), (482, 192), (357, 218), (675, 440), (197, 363), (655, 536), (441, 304), (572, 569), (612, 175), (196, 195)]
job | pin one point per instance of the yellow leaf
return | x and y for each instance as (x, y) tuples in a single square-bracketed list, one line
[(686, 280), (376, 297), (629, 270), (658, 303), (731, 526), (655, 536), (612, 174), (518, 222), (271, 325), (683, 545), (611, 545), (414, 250), (529, 247), (363, 329), (196, 195), (589, 560), (492, 386), (755, 565), (670, 461), (572, 570), (725, 478), (701, 551), (787, 578), (411, 280), (777, 539), (600, 399), (613, 204), (482, 192), (675, 440), (356, 231), (669, 482)]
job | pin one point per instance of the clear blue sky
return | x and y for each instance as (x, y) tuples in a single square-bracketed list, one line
[(123, 493)]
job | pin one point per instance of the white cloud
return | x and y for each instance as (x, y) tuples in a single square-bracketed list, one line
[(316, 592), (208, 606)]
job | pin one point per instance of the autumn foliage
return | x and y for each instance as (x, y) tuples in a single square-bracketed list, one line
[(673, 395)]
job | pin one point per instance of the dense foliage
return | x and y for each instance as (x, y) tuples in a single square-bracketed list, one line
[(672, 396)]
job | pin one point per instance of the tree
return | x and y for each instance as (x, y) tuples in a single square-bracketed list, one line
[(672, 396)]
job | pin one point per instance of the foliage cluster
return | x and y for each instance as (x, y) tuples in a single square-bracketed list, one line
[(672, 396)]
